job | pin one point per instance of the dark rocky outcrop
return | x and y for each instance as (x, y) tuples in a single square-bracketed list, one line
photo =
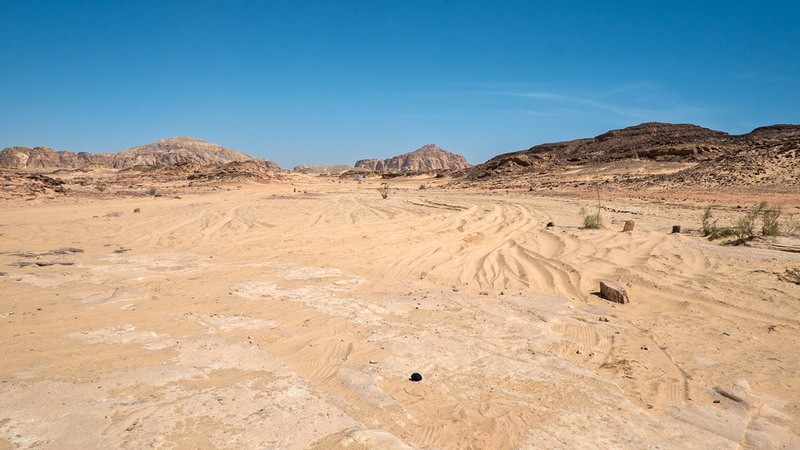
[(698, 156)]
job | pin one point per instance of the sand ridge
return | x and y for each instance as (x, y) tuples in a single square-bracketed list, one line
[(290, 316)]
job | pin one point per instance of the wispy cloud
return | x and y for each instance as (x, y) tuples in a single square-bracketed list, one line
[(638, 101)]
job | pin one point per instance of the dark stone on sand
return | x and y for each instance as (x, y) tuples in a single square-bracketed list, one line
[(550, 225), (415, 377), (676, 229), (137, 210), (25, 254), (21, 264), (63, 250)]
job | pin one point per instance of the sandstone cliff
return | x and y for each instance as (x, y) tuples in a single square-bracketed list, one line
[(425, 159), (166, 152)]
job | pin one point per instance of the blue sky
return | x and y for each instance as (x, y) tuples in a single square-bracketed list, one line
[(335, 81)]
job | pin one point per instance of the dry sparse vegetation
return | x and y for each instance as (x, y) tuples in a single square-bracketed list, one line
[(791, 276), (384, 190), (769, 217), (745, 227), (592, 221)]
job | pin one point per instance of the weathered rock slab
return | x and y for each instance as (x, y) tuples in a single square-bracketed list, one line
[(614, 293)]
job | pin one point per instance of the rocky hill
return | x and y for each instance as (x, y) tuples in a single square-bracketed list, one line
[(166, 152), (425, 159), (46, 158), (654, 154)]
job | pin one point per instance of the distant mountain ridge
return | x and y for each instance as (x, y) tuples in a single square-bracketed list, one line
[(765, 155), (425, 159), (165, 152)]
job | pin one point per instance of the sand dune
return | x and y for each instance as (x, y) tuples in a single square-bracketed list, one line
[(291, 316)]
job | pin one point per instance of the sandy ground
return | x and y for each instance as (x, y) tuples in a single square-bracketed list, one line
[(291, 315)]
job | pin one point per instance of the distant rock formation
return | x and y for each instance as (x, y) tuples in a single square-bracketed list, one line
[(177, 150), (330, 169), (425, 159), (44, 158), (166, 152)]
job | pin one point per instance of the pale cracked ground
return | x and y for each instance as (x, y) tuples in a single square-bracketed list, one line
[(269, 318)]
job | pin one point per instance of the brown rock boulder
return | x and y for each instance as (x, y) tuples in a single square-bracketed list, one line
[(614, 293)]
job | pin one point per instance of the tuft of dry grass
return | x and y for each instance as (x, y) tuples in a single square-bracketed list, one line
[(384, 190), (791, 276)]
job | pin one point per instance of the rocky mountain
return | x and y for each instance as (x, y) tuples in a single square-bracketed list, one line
[(177, 150), (425, 159), (166, 152), (329, 169), (659, 153)]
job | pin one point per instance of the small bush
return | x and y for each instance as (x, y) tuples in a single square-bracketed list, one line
[(791, 225), (151, 192), (591, 221), (422, 187), (384, 190), (791, 276), (769, 221), (709, 226), (720, 233), (745, 228)]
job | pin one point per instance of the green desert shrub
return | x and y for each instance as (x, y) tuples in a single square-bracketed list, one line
[(745, 227), (709, 223), (591, 221)]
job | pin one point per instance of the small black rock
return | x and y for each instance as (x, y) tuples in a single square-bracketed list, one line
[(416, 377)]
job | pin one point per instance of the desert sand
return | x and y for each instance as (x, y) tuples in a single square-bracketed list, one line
[(291, 315)]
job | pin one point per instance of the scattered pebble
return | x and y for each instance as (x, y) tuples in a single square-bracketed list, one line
[(644, 347), (416, 377)]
